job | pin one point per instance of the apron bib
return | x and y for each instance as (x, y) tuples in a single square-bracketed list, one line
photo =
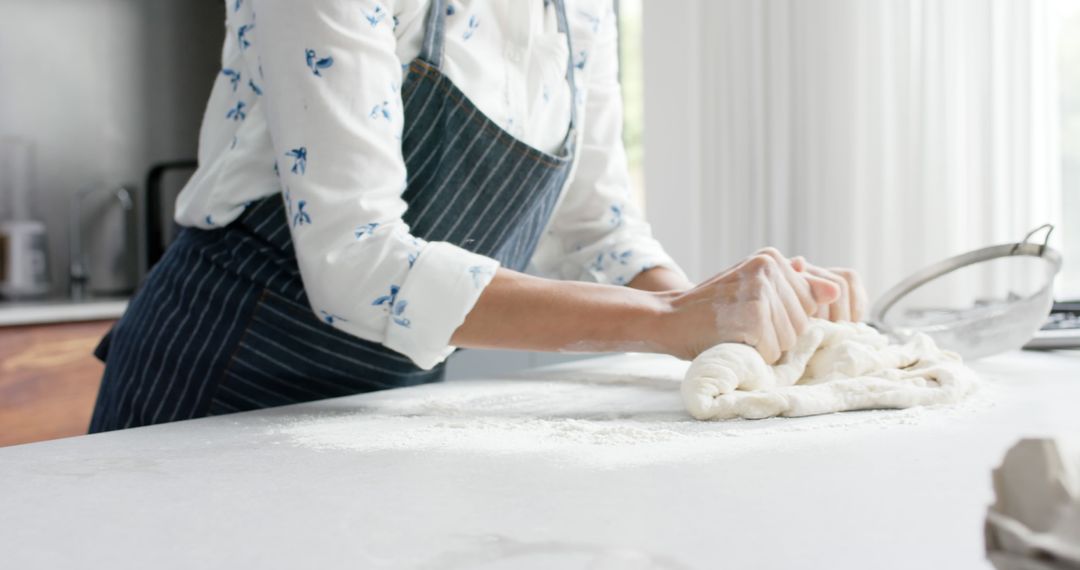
[(222, 323)]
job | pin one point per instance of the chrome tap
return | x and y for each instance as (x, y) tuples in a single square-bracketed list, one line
[(78, 275)]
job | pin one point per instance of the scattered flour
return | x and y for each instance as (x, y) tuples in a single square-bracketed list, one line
[(608, 416)]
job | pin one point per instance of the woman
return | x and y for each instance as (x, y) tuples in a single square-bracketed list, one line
[(376, 178)]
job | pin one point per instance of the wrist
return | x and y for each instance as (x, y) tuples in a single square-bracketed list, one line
[(650, 321)]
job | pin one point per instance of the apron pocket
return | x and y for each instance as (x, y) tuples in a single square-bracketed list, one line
[(287, 355)]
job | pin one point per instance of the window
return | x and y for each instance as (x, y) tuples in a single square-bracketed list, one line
[(633, 86), (1069, 65)]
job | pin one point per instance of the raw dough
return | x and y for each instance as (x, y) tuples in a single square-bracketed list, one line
[(834, 367)]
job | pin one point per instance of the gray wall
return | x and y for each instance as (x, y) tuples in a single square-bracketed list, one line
[(104, 88)]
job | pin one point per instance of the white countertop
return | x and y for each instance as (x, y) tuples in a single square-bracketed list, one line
[(18, 313), (588, 465)]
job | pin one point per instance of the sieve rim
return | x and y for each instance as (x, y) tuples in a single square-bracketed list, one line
[(891, 297)]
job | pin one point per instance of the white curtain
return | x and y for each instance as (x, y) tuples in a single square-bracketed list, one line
[(876, 134)]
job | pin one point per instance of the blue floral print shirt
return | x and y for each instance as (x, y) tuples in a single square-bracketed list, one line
[(308, 104)]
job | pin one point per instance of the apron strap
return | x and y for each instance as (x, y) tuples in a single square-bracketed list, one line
[(564, 27), (434, 33), (435, 36)]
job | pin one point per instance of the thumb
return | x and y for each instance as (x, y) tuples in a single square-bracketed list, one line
[(823, 290)]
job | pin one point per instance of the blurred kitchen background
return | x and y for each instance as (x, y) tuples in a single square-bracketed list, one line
[(93, 93), (878, 134)]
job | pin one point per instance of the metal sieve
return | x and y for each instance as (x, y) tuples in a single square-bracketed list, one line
[(979, 303)]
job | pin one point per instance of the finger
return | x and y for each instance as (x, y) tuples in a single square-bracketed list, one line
[(782, 327), (856, 292), (797, 315), (796, 282), (840, 308), (840, 311), (798, 263), (825, 291), (767, 344), (796, 310)]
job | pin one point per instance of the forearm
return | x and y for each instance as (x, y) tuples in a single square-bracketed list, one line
[(518, 311)]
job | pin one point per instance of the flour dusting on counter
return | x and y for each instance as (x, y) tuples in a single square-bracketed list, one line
[(618, 414)]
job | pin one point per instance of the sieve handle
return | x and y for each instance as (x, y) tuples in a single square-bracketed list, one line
[(1042, 249)]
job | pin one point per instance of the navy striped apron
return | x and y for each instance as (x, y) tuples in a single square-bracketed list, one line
[(222, 323)]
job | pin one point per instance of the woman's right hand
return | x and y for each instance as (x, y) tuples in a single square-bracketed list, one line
[(762, 302)]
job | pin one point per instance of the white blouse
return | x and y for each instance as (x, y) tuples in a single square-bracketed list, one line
[(308, 102)]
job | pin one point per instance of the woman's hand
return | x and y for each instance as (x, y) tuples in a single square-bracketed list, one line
[(765, 301), (850, 305)]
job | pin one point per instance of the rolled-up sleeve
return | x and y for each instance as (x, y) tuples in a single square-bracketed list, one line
[(597, 233), (331, 85)]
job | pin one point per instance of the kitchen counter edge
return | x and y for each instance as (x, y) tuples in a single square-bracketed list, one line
[(26, 313)]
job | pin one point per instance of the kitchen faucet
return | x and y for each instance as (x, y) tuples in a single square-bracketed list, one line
[(77, 273)]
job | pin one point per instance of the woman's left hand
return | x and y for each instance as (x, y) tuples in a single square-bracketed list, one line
[(851, 304)]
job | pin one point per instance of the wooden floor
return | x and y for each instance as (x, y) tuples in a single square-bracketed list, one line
[(48, 380)]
